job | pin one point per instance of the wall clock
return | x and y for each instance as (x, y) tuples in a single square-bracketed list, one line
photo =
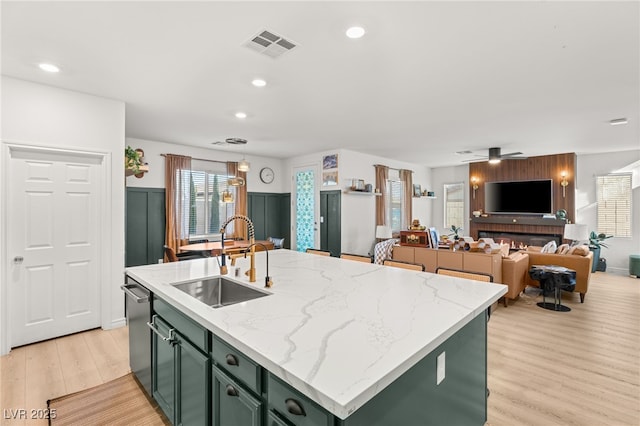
[(266, 175)]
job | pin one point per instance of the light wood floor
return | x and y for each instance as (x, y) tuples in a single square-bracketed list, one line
[(575, 368), (545, 368), (32, 374)]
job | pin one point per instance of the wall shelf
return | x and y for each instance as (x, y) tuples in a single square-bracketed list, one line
[(130, 172), (518, 220), (374, 194)]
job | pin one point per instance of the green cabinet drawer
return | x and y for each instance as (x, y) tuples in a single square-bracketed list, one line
[(294, 406), (274, 420), (237, 364), (232, 405), (193, 331)]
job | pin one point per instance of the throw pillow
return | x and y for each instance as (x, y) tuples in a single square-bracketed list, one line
[(550, 247), (504, 249), (581, 250), (536, 249), (563, 249)]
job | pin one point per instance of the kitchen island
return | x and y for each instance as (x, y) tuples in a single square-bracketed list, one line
[(369, 344)]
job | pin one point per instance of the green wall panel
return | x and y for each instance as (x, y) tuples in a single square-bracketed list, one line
[(145, 225), (270, 214)]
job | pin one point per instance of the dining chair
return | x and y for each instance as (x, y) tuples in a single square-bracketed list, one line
[(465, 274), (404, 265), (356, 257), (173, 257), (319, 252)]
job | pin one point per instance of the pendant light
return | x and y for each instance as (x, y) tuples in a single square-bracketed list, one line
[(227, 196), (243, 165)]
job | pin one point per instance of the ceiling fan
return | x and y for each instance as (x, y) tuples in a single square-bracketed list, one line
[(495, 156)]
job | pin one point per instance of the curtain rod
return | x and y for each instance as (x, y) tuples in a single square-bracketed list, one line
[(199, 159), (391, 168)]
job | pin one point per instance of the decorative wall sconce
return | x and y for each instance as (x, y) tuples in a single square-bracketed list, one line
[(564, 182), (474, 185)]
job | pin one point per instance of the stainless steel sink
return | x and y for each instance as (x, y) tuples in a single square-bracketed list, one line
[(219, 291)]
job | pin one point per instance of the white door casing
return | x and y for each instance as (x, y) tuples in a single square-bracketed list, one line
[(54, 215)]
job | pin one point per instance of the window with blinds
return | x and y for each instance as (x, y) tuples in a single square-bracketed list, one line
[(200, 197), (394, 205), (614, 205), (453, 205)]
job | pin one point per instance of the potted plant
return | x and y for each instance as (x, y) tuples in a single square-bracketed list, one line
[(132, 161), (454, 232), (595, 244)]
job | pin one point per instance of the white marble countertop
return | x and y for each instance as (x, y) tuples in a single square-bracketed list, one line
[(337, 330)]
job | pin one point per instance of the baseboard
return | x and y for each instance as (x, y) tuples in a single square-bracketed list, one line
[(120, 322), (613, 270)]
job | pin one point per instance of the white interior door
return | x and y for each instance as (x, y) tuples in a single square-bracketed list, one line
[(53, 217)]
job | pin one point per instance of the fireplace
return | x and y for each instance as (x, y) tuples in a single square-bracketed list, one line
[(520, 240)]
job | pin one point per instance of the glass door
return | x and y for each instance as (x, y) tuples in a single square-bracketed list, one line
[(305, 207)]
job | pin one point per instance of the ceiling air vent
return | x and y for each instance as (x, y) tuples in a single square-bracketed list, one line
[(270, 44)]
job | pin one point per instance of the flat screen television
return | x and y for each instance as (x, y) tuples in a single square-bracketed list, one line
[(519, 197)]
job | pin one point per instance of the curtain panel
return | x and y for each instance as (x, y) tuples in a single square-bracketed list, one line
[(239, 226), (406, 176), (382, 175), (174, 236)]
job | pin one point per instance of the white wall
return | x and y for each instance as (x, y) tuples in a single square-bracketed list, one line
[(358, 211), (35, 114), (590, 166), (155, 177)]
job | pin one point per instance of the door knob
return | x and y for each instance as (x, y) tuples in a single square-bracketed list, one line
[(18, 259)]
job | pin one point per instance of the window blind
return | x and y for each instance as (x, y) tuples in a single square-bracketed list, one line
[(614, 205)]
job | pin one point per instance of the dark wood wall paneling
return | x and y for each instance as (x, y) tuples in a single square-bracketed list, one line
[(542, 167)]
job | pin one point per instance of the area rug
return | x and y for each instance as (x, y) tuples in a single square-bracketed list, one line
[(119, 402)]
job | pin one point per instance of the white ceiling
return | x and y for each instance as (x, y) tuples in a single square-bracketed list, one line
[(428, 79)]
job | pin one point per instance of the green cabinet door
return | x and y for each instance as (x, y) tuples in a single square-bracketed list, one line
[(232, 405), (163, 368), (330, 229), (193, 384)]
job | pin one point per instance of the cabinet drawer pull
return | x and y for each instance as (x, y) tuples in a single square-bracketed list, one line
[(231, 359), (294, 407), (231, 391), (152, 326)]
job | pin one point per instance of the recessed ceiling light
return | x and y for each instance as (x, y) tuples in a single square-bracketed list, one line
[(48, 67), (355, 32), (258, 82), (618, 121), (241, 114)]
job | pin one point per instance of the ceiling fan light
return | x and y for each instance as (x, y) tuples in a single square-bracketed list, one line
[(494, 160), (243, 165)]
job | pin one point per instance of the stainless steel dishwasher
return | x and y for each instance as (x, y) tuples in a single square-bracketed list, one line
[(138, 308)]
